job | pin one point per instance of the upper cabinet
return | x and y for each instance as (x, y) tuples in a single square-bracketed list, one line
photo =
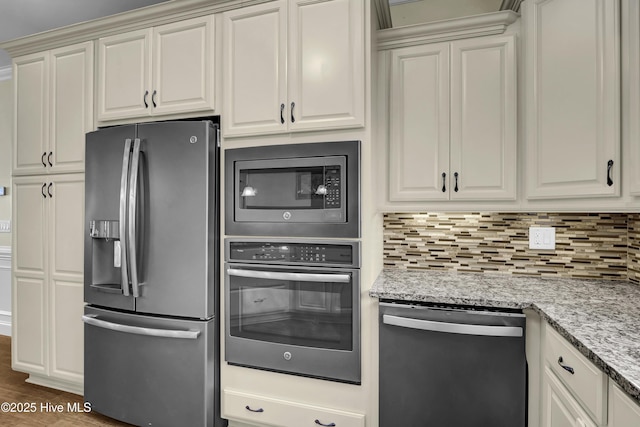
[(453, 121), (158, 71), (572, 92), (53, 109), (293, 65), (630, 13)]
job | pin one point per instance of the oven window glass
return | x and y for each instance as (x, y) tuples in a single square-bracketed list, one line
[(311, 314), (313, 187)]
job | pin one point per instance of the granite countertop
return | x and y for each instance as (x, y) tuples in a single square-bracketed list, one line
[(600, 318)]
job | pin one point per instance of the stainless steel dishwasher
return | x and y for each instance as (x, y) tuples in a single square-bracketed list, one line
[(451, 366)]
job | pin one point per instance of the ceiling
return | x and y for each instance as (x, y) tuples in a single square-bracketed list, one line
[(19, 18)]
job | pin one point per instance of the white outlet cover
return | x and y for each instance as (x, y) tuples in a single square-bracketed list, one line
[(542, 238)]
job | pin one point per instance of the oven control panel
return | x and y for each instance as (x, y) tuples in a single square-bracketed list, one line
[(286, 252)]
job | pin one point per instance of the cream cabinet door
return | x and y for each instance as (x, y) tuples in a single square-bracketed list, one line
[(124, 75), (71, 106), (326, 64), (623, 412), (483, 119), (630, 12), (183, 66), (254, 61), (31, 113), (572, 85), (66, 290), (48, 297), (419, 123), (29, 291), (559, 408)]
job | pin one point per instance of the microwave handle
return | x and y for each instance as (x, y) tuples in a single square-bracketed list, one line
[(283, 275)]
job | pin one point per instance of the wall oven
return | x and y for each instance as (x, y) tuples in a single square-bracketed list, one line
[(304, 190), (293, 306)]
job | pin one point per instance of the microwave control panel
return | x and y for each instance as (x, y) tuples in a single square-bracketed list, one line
[(292, 253), (332, 184)]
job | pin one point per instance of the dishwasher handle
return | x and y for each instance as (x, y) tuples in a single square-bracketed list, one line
[(452, 328)]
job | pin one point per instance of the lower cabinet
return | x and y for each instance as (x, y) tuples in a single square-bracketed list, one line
[(267, 411), (576, 393), (623, 412), (47, 282), (559, 407)]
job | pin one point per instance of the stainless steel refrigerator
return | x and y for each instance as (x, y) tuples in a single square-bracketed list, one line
[(151, 273)]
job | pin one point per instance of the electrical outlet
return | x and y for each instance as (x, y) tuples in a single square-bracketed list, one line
[(5, 226), (542, 238)]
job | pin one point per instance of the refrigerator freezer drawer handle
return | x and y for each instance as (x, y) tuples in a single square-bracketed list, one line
[(133, 203), (279, 275), (452, 328), (163, 333), (123, 217)]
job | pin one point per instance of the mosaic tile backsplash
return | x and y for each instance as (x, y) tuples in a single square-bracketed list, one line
[(588, 245)]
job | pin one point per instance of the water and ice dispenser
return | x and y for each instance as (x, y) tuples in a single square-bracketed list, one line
[(106, 254)]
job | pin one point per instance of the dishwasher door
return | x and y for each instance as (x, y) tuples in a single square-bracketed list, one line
[(451, 367)]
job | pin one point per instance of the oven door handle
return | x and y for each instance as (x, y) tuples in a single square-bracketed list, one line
[(283, 275)]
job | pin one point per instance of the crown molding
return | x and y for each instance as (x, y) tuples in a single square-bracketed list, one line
[(5, 73), (451, 29), (162, 13)]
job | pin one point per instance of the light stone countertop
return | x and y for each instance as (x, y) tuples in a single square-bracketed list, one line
[(600, 318)]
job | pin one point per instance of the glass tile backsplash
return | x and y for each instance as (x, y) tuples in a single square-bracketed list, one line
[(588, 245)]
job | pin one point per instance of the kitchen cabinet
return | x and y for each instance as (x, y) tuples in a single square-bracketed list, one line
[(560, 409), (630, 12), (293, 65), (574, 389), (623, 412), (157, 71), (572, 93), (47, 279), (453, 121), (53, 109), (261, 410)]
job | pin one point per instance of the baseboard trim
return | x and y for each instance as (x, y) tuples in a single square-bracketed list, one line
[(5, 257), (5, 323), (57, 384)]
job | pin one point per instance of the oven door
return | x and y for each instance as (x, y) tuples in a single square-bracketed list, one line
[(303, 321)]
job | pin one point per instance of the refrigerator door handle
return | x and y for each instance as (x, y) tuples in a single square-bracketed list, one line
[(133, 199), (123, 217), (91, 319)]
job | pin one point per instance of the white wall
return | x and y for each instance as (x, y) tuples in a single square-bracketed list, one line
[(6, 126)]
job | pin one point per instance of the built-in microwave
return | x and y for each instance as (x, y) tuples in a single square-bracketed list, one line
[(307, 190)]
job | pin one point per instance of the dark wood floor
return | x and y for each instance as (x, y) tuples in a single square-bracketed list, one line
[(14, 390)]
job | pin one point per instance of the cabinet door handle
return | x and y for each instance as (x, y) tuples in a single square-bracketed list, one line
[(293, 119), (248, 408), (153, 98), (281, 114), (565, 367), (609, 167), (455, 175), (326, 425), (444, 182), (42, 191), (49, 158), (49, 189), (146, 93), (42, 159)]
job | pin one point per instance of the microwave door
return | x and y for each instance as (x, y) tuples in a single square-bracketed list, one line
[(107, 171)]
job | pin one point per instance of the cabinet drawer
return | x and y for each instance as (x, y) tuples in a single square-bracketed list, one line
[(274, 412), (582, 378)]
